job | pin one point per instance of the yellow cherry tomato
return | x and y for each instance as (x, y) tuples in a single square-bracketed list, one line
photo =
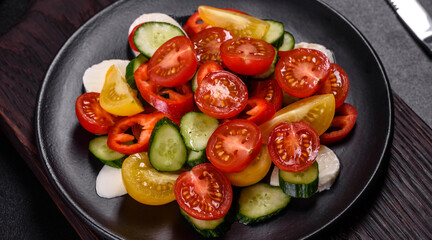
[(317, 110), (240, 25), (146, 185), (117, 97), (254, 172)]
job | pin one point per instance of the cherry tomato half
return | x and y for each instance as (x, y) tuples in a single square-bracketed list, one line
[(174, 102), (91, 115), (337, 83), (342, 124), (301, 71), (234, 144), (221, 94), (269, 90), (204, 192), (207, 44), (206, 68), (247, 56), (293, 147), (174, 63), (118, 139), (257, 110)]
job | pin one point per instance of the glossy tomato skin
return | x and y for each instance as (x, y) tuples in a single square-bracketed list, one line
[(257, 110), (174, 63), (118, 138), (344, 121), (174, 102), (234, 144), (207, 44), (204, 192), (302, 71), (337, 83), (269, 90), (194, 25), (91, 115), (293, 147), (130, 38), (221, 95), (247, 56), (206, 68)]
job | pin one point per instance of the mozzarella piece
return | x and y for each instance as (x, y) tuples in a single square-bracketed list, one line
[(153, 17), (109, 182), (94, 76), (318, 47), (328, 168)]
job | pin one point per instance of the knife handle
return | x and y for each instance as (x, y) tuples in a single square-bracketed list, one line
[(427, 43)]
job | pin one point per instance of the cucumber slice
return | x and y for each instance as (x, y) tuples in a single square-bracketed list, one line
[(99, 148), (288, 42), (196, 129), (167, 151), (151, 35), (260, 202), (300, 184), (195, 158), (275, 34), (269, 71), (132, 67), (210, 228)]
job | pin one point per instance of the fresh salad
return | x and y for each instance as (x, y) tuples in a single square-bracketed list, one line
[(216, 103)]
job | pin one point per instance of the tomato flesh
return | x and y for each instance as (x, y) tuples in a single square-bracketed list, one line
[(174, 102), (337, 83), (301, 71), (247, 56), (233, 145), (207, 44), (174, 63), (221, 95), (269, 90), (206, 68), (119, 140), (91, 115), (257, 110), (204, 192), (293, 147), (342, 124)]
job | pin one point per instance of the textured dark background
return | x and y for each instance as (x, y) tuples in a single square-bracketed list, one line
[(27, 212)]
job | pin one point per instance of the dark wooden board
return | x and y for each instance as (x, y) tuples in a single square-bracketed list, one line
[(398, 205)]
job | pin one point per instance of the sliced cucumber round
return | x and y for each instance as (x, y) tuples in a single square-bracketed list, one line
[(196, 129), (99, 148), (195, 158), (300, 184), (275, 34), (151, 35), (210, 228), (288, 42), (132, 67)]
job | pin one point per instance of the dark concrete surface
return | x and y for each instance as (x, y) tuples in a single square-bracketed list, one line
[(27, 212)]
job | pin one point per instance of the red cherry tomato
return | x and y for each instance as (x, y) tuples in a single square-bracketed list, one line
[(207, 44), (206, 68), (118, 139), (130, 38), (293, 147), (301, 71), (247, 56), (174, 102), (233, 145), (257, 110), (336, 83), (174, 63), (204, 192), (91, 115), (342, 124), (221, 95), (269, 90)]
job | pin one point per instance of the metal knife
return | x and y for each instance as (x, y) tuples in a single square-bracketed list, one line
[(416, 19)]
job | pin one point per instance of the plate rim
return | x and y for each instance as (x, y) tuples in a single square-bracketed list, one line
[(62, 193)]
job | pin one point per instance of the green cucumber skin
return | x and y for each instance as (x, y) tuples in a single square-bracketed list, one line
[(195, 161), (284, 46), (247, 220), (158, 125), (132, 67), (115, 164), (299, 190), (278, 42), (218, 231), (99, 149)]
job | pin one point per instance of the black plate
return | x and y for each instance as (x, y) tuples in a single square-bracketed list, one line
[(64, 144)]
